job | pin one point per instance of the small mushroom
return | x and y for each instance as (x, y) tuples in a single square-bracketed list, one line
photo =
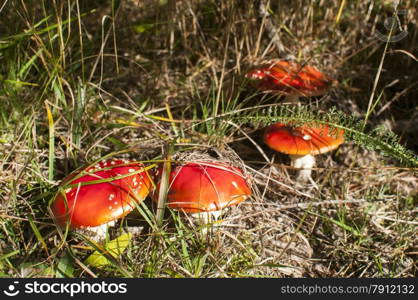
[(94, 197), (204, 189), (290, 79), (302, 144)]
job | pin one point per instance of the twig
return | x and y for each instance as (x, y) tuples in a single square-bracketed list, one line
[(271, 28)]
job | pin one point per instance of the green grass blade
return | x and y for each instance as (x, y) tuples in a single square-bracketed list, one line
[(38, 235)]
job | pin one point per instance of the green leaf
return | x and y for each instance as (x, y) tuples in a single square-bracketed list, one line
[(140, 28), (113, 248), (47, 272), (65, 268)]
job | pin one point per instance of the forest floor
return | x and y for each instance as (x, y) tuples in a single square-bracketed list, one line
[(81, 80)]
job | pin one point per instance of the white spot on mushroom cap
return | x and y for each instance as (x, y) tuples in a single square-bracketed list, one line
[(307, 137), (257, 76)]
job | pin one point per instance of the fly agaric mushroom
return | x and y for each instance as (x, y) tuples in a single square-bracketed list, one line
[(302, 144), (94, 197), (203, 189), (290, 79)]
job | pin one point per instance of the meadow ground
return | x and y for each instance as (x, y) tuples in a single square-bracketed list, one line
[(154, 80)]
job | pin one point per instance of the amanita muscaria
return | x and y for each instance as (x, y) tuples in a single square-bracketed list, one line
[(290, 79), (302, 143), (204, 189), (94, 197)]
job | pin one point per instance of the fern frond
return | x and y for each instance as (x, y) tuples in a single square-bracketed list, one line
[(379, 139)]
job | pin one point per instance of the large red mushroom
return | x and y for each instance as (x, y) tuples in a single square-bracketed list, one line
[(302, 143), (290, 79), (94, 197), (204, 189)]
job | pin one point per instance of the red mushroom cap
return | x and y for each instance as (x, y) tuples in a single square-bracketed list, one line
[(290, 79), (205, 187), (94, 204), (304, 139)]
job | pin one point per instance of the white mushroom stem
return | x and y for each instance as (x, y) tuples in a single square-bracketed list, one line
[(204, 218), (304, 163), (292, 99), (98, 233)]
